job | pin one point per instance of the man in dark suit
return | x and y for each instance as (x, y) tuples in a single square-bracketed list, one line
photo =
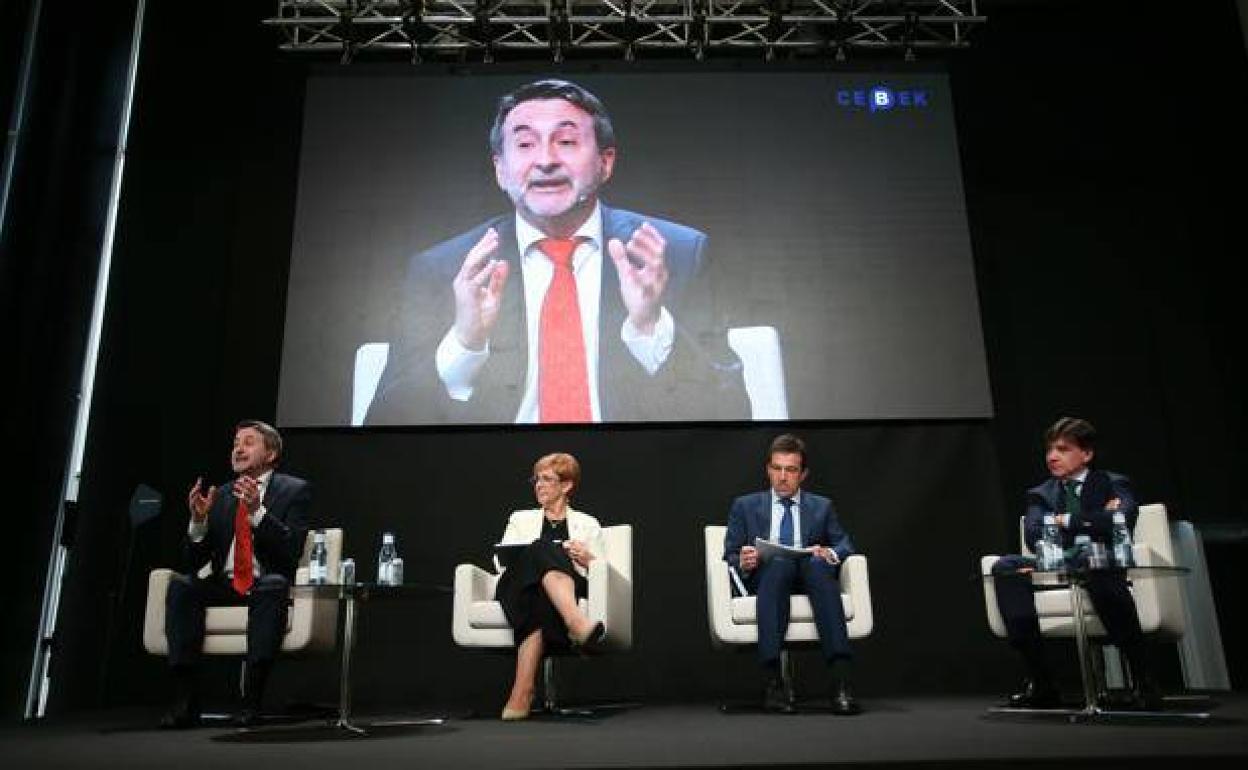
[(791, 516), (564, 310), (1083, 501), (251, 530)]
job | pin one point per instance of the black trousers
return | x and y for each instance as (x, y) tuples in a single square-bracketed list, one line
[(524, 599), (268, 606), (1106, 588)]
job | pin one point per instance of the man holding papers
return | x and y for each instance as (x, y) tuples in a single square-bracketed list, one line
[(803, 552)]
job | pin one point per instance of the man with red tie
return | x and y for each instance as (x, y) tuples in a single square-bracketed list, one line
[(565, 310), (251, 530)]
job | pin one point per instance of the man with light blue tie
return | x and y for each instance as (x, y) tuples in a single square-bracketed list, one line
[(790, 516)]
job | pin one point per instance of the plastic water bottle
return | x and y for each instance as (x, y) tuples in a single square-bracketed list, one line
[(1049, 546), (318, 560), (1083, 548), (1121, 539), (385, 560)]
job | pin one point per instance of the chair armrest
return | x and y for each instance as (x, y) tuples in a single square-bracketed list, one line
[(995, 622), (857, 585), (313, 618), (1158, 598), (472, 584), (611, 601), (1147, 556), (154, 640), (719, 591)]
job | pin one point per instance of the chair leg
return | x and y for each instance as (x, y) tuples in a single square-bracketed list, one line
[(550, 697), (550, 694), (786, 675)]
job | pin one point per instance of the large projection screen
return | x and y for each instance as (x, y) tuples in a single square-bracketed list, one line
[(818, 251)]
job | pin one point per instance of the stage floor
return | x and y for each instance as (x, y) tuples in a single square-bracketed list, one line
[(914, 732)]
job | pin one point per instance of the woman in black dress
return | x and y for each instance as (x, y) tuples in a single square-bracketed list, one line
[(543, 582)]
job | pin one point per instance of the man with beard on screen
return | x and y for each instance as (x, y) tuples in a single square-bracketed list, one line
[(565, 310)]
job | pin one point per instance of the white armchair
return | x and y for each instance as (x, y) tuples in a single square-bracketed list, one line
[(311, 626), (477, 620), (1158, 600), (734, 620), (758, 347)]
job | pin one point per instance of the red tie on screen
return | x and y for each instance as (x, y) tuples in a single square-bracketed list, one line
[(243, 575), (562, 377)]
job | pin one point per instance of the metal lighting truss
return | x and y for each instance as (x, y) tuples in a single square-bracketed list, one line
[(472, 29)]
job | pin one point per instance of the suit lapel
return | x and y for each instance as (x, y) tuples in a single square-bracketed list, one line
[(808, 520), (1096, 491), (610, 317), (763, 516), (275, 495)]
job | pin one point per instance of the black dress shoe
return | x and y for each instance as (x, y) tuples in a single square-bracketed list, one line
[(775, 697), (183, 716), (1035, 695), (592, 642), (247, 717), (1144, 696), (843, 701)]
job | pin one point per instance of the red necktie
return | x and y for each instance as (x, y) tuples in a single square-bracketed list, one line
[(243, 575), (562, 376)]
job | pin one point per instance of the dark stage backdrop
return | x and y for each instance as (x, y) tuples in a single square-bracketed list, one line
[(832, 203), (1118, 186)]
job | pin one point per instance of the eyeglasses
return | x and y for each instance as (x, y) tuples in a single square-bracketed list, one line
[(793, 469), (545, 479)]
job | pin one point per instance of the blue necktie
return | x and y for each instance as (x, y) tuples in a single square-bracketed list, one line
[(786, 521)]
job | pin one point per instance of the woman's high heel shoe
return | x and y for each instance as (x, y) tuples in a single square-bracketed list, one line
[(591, 642), (514, 715)]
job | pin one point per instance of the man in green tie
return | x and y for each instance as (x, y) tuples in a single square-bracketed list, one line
[(1083, 501)]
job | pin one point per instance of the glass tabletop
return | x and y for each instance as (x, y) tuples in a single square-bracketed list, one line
[(1072, 572), (367, 590)]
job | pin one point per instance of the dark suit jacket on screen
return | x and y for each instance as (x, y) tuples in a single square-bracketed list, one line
[(277, 540), (701, 379)]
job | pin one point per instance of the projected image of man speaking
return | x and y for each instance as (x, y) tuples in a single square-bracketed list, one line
[(564, 310)]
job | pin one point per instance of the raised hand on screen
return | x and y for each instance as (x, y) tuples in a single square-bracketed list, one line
[(478, 288), (642, 267), (199, 501)]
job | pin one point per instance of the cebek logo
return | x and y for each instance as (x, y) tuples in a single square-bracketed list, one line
[(880, 99)]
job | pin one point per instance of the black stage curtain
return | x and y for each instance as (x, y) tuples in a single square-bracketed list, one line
[(1104, 166)]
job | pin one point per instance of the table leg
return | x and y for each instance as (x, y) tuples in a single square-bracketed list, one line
[(1081, 644), (344, 669)]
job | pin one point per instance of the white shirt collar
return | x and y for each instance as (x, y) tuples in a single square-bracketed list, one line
[(797, 497), (263, 481), (590, 230)]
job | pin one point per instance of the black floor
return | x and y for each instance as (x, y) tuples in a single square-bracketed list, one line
[(915, 732)]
